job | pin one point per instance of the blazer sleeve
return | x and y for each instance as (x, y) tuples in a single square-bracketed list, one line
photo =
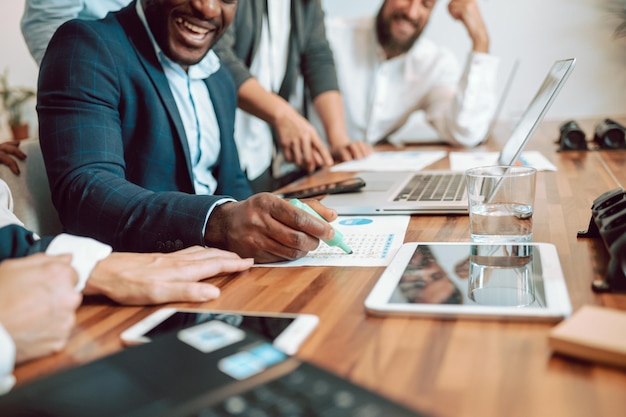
[(114, 161), (18, 241)]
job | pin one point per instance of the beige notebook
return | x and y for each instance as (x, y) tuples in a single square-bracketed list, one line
[(593, 333)]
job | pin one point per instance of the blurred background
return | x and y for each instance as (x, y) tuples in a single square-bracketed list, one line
[(535, 32)]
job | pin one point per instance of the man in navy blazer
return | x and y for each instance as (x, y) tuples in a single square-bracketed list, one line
[(117, 150)]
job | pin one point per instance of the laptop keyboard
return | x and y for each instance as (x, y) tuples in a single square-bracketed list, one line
[(433, 187), (307, 392)]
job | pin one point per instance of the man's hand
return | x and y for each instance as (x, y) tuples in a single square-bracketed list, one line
[(468, 13), (9, 149), (299, 140), (38, 303), (155, 278), (351, 151), (268, 228)]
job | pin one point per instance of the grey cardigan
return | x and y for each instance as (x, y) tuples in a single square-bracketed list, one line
[(309, 51)]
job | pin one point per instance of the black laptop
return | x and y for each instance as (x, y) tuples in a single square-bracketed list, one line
[(209, 370)]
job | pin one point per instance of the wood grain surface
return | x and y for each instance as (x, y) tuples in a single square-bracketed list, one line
[(447, 368)]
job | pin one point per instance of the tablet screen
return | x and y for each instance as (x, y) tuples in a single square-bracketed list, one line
[(472, 279)]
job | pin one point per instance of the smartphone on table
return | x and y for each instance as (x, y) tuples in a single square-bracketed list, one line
[(344, 186), (287, 331)]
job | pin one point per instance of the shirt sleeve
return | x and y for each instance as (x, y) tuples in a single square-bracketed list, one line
[(467, 120), (86, 253), (6, 206), (42, 18), (7, 361), (217, 203)]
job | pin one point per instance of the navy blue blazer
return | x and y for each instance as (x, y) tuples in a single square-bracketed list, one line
[(18, 241), (113, 141)]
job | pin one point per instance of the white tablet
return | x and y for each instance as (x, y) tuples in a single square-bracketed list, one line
[(470, 280)]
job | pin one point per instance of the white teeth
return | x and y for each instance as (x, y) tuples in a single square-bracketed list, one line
[(192, 27)]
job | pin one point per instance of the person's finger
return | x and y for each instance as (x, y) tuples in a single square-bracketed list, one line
[(320, 147), (306, 147), (343, 154), (170, 292), (206, 268), (327, 213), (288, 152), (318, 159), (296, 232), (199, 252), (296, 151), (15, 151), (360, 150), (10, 162)]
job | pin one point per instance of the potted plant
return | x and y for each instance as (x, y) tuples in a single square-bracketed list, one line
[(13, 100)]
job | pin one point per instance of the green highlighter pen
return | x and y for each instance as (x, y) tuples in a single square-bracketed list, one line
[(335, 241)]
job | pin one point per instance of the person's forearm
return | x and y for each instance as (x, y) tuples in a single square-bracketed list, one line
[(41, 19), (329, 106), (253, 98), (480, 43)]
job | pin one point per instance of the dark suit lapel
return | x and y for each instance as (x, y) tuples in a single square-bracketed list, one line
[(144, 50), (219, 105)]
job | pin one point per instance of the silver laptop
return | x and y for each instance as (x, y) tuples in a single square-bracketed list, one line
[(443, 192)]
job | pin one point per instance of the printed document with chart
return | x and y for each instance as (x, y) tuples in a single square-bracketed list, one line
[(374, 240)]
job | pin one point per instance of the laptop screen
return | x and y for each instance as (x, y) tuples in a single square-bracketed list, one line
[(535, 111)]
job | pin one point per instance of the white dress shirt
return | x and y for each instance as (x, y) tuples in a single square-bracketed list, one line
[(380, 95), (7, 361), (196, 110), (253, 136), (86, 253)]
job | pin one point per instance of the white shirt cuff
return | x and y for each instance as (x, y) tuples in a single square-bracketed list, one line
[(217, 203), (86, 253), (7, 361)]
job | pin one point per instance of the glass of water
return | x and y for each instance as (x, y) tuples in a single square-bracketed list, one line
[(501, 275), (501, 201)]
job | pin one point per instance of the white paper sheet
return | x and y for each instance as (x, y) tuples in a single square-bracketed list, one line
[(460, 161), (374, 241), (392, 161)]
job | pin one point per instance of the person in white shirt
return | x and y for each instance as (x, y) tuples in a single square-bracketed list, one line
[(388, 71), (39, 292), (41, 18)]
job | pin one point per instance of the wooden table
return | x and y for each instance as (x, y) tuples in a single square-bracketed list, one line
[(444, 368)]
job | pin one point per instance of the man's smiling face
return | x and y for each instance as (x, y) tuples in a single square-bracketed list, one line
[(187, 29), (399, 24)]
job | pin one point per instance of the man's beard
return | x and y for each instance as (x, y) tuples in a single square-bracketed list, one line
[(390, 44)]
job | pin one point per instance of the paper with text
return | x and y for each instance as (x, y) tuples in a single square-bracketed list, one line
[(460, 161), (392, 161)]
